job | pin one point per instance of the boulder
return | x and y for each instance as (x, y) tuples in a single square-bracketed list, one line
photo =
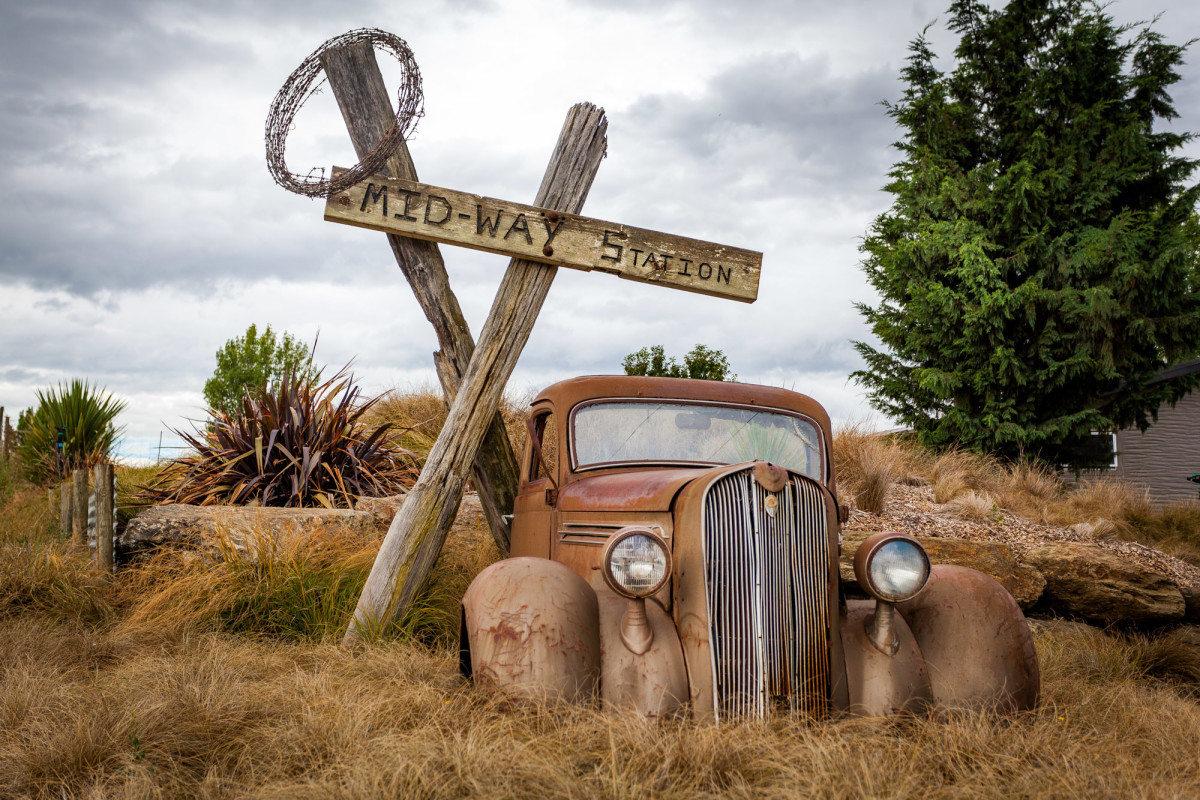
[(997, 559), (205, 527), (1087, 581), (383, 507), (1191, 602)]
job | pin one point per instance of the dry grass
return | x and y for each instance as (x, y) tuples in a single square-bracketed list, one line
[(983, 489), (192, 679), (975, 506), (867, 466), (94, 712), (422, 412)]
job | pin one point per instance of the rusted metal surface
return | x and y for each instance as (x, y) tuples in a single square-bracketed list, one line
[(654, 682), (756, 606), (533, 629), (975, 640), (750, 621), (880, 684), (881, 629), (769, 476), (629, 490)]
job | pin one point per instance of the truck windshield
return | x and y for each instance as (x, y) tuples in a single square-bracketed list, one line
[(676, 432)]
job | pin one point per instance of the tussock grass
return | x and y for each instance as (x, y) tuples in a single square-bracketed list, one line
[(220, 678), (421, 412), (976, 506), (212, 714), (868, 465), (293, 589), (969, 484)]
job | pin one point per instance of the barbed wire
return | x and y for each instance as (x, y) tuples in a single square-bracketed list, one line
[(303, 84)]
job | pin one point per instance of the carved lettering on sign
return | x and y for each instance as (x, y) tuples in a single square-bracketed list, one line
[(429, 208), (445, 215)]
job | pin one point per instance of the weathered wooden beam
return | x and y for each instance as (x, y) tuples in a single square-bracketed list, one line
[(537, 234), (103, 479), (66, 513), (361, 94), (419, 529), (79, 504)]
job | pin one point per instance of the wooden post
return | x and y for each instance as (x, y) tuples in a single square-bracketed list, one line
[(419, 529), (361, 94), (104, 516), (79, 504), (65, 507)]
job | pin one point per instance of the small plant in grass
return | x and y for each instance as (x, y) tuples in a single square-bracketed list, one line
[(977, 506), (85, 417), (295, 444)]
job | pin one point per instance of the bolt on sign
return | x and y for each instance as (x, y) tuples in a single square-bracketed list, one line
[(417, 210)]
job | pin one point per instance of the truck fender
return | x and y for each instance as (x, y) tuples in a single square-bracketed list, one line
[(653, 684), (531, 628), (882, 684), (976, 642)]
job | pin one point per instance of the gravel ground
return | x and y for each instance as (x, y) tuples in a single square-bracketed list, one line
[(911, 509)]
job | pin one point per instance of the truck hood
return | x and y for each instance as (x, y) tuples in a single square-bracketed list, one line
[(641, 490)]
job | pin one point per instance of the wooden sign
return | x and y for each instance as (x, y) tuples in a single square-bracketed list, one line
[(442, 215)]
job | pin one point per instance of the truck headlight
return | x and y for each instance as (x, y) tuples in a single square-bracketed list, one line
[(892, 567), (636, 562)]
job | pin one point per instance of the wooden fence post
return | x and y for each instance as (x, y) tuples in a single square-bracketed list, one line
[(362, 96), (419, 529), (104, 516), (79, 504), (66, 513), (10, 436)]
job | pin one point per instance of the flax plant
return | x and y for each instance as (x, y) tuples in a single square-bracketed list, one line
[(85, 414), (295, 444)]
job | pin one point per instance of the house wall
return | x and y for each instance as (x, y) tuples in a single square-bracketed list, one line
[(1166, 454)]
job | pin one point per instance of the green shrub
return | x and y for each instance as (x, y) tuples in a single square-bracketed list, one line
[(701, 363), (85, 416), (254, 360), (295, 444)]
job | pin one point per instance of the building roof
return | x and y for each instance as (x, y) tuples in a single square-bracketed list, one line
[(1176, 371)]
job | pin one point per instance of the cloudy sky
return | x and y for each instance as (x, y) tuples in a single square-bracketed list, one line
[(141, 229)]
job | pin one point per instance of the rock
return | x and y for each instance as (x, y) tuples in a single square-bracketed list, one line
[(204, 526), (1191, 602), (1088, 581), (1023, 582), (383, 507)]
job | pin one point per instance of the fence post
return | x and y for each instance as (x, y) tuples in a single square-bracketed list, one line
[(104, 516), (65, 507), (10, 436), (79, 478)]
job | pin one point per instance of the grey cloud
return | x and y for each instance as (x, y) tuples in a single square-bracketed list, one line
[(819, 127)]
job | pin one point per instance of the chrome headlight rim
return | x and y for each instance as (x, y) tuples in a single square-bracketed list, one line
[(864, 561), (610, 549)]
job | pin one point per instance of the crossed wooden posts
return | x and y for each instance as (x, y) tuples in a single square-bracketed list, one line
[(473, 376)]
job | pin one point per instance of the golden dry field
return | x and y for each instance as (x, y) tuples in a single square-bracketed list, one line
[(188, 678)]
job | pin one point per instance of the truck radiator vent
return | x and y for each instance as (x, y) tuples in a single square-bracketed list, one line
[(767, 588)]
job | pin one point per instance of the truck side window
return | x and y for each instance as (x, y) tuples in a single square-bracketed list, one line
[(546, 432)]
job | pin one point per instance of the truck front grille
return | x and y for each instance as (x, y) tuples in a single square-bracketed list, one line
[(767, 588)]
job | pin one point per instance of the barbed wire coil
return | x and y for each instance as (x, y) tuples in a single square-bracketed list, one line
[(304, 82)]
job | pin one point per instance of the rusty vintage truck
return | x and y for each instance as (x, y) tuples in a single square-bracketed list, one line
[(675, 549)]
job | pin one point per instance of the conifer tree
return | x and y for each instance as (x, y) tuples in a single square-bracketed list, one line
[(1039, 263)]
